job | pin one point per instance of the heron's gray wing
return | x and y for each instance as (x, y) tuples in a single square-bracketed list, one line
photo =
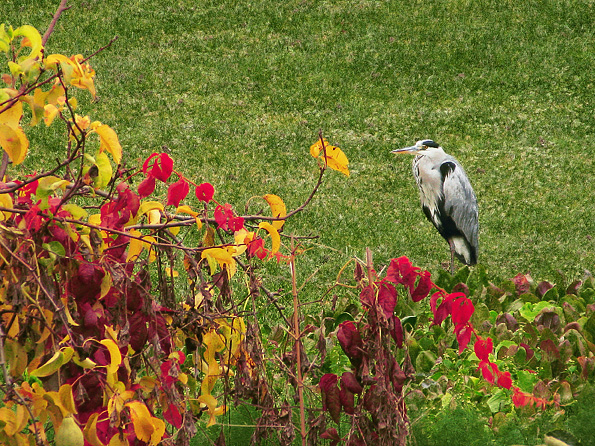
[(460, 203)]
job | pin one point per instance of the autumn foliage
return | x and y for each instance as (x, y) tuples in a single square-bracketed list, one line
[(98, 344)]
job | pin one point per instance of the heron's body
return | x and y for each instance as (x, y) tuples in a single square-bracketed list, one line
[(447, 198)]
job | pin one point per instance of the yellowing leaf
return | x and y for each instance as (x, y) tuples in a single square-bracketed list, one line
[(12, 138), (275, 237), (223, 257), (157, 434), (32, 39), (104, 170), (5, 202), (90, 431), (67, 399), (51, 366), (109, 142), (115, 355), (212, 409), (240, 240), (10, 418), (332, 156), (119, 440), (141, 420), (76, 73), (147, 206), (336, 159), (187, 210), (171, 273), (277, 208)]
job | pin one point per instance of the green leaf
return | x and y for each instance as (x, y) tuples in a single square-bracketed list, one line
[(105, 170), (55, 247), (498, 401), (526, 380)]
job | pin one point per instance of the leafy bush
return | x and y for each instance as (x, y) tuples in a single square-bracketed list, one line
[(114, 329)]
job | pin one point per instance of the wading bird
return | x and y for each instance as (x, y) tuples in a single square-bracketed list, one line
[(447, 199)]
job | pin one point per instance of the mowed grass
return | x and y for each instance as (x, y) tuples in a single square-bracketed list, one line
[(237, 91)]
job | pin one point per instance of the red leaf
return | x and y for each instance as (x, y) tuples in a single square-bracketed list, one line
[(397, 332), (387, 298), (331, 434), (235, 223), (331, 400), (402, 271), (520, 398), (522, 283), (463, 334), (177, 191), (146, 163), (529, 350), (367, 296), (350, 382), (204, 192), (161, 168), (504, 380), (483, 347), (486, 371), (424, 285), (146, 187), (172, 416), (347, 399), (351, 342), (443, 311), (462, 310), (256, 248)]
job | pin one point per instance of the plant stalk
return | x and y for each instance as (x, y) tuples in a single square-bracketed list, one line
[(297, 345)]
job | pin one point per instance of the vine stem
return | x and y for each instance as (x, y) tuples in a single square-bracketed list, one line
[(297, 344)]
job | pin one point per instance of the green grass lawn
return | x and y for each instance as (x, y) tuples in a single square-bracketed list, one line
[(237, 91)]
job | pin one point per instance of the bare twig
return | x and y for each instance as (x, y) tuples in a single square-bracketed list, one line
[(57, 15)]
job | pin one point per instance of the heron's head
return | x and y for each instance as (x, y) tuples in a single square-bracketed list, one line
[(420, 146)]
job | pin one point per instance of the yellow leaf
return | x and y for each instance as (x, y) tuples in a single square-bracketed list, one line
[(223, 257), (14, 142), (32, 39), (147, 206), (275, 237), (109, 142), (154, 216), (336, 159), (135, 247), (332, 156), (240, 240), (141, 420), (277, 208), (157, 434), (12, 138), (5, 202), (119, 440), (50, 367), (90, 431), (67, 399), (115, 355), (212, 409), (187, 210), (171, 273), (9, 417)]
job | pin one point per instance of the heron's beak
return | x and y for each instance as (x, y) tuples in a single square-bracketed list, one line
[(409, 150)]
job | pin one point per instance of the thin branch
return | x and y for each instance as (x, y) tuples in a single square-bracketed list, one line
[(57, 15)]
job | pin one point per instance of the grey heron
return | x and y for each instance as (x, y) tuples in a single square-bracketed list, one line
[(447, 199)]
